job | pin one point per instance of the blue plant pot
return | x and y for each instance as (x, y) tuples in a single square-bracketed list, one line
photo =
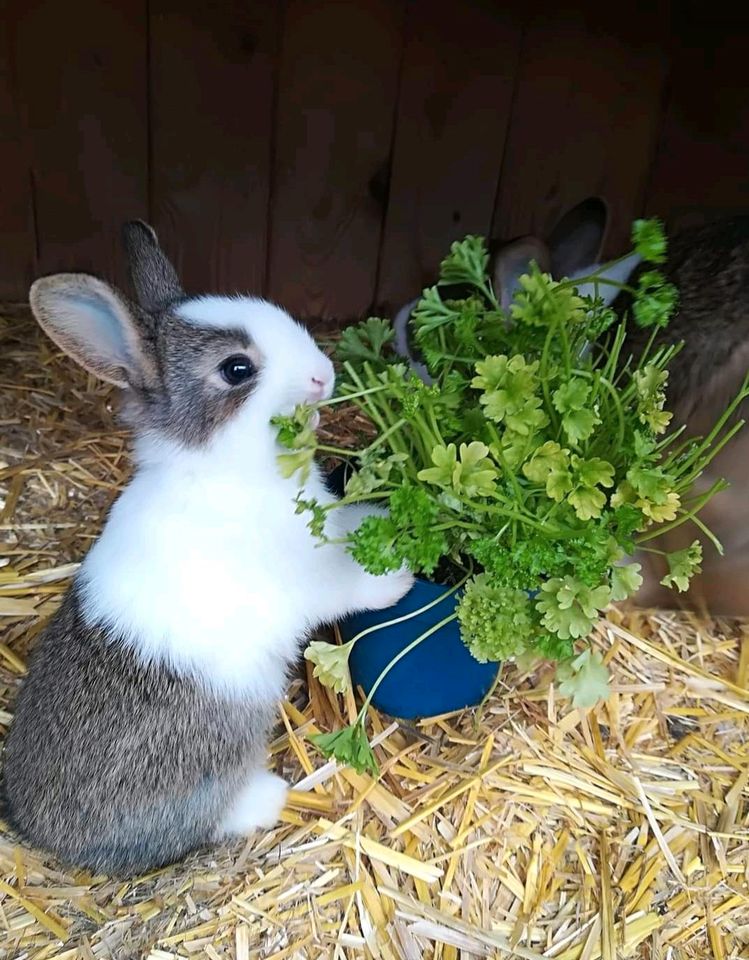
[(438, 676)]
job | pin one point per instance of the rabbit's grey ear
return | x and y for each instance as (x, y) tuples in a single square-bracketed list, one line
[(153, 276), (402, 341), (91, 322), (576, 241), (512, 261)]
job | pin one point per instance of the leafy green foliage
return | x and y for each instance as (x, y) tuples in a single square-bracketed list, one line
[(496, 621), (508, 392), (318, 516), (331, 664), (543, 302), (367, 341), (407, 536), (650, 383), (469, 471), (655, 300), (297, 434), (625, 581), (466, 262), (585, 679), (649, 240), (350, 746), (550, 464), (572, 400), (536, 459), (570, 607), (682, 566)]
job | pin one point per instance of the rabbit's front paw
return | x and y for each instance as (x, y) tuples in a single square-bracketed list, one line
[(388, 589)]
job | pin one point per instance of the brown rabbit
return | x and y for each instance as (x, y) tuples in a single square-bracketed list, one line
[(710, 267)]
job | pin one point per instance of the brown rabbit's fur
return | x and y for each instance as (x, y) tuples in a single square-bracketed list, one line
[(710, 267), (163, 734)]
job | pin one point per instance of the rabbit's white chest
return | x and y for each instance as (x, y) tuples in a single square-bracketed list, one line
[(222, 587)]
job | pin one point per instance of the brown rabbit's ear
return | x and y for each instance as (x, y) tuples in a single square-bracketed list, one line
[(512, 261), (91, 322), (153, 276), (576, 241)]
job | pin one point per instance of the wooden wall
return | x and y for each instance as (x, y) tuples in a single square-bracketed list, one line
[(325, 152)]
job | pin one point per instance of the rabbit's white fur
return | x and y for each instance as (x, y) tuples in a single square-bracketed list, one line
[(203, 562)]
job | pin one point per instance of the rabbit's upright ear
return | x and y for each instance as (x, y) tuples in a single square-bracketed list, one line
[(154, 278), (576, 244), (91, 322), (576, 241), (512, 261)]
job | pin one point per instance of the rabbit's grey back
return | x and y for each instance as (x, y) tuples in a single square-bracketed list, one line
[(119, 765), (709, 266)]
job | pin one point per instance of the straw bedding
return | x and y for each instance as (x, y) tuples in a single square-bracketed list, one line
[(530, 830)]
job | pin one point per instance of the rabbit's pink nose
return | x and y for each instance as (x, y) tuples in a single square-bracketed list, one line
[(320, 387)]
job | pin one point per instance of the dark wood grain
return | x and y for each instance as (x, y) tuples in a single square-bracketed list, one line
[(212, 73), (585, 118), (81, 81), (17, 239), (701, 170), (454, 106), (336, 102)]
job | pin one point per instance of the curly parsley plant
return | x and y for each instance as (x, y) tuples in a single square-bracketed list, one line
[(534, 464)]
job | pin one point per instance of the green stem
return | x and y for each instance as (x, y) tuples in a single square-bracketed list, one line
[(545, 380), (709, 534), (365, 498), (336, 451), (463, 524), (343, 398), (521, 517), (487, 697), (371, 409), (411, 615), (393, 428), (404, 653), (606, 383), (707, 443), (435, 426), (687, 481), (510, 474)]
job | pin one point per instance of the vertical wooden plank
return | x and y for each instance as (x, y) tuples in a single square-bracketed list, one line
[(82, 86), (212, 69), (585, 117), (336, 99), (17, 242), (701, 171), (454, 106)]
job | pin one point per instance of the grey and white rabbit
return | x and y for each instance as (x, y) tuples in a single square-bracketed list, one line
[(140, 732), (710, 267)]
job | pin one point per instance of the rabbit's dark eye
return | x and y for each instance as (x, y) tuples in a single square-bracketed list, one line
[(237, 369)]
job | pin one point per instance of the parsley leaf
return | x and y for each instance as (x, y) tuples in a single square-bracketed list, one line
[(570, 607), (585, 679), (682, 566), (331, 664), (350, 746), (649, 240), (366, 340)]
